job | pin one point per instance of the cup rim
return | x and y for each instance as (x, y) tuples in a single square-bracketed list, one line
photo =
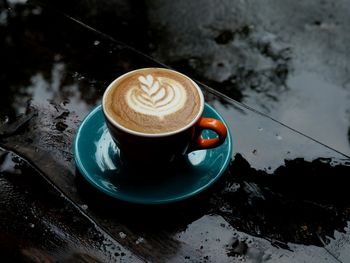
[(143, 134)]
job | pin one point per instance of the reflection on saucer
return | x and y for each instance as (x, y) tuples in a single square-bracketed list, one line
[(105, 153), (197, 157)]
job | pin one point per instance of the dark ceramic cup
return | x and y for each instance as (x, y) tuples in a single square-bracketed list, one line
[(143, 148)]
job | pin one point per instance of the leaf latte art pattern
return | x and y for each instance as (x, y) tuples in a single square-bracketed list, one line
[(156, 96)]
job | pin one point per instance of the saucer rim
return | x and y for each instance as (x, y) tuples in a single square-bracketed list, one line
[(80, 165)]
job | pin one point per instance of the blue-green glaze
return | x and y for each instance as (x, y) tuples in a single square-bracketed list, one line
[(98, 160)]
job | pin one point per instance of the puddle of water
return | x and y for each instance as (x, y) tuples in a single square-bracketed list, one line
[(42, 90), (317, 108), (289, 65), (226, 244)]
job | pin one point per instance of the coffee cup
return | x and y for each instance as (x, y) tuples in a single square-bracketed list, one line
[(155, 115)]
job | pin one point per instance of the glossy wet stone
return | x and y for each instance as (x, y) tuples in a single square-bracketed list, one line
[(284, 196)]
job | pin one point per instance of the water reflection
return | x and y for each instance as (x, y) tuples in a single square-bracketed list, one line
[(324, 108), (227, 244), (35, 75), (236, 55), (267, 57), (60, 88)]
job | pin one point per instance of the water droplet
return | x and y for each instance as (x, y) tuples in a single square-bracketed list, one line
[(77, 76), (139, 240), (260, 129), (266, 256), (96, 42), (249, 241), (6, 119), (233, 188), (37, 11), (31, 225), (84, 207), (242, 238), (278, 137), (122, 235)]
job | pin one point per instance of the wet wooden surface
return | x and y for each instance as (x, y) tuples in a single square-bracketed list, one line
[(284, 197)]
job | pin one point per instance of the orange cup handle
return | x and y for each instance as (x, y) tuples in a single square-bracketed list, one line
[(209, 124)]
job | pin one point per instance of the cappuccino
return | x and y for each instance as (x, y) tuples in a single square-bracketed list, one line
[(153, 101)]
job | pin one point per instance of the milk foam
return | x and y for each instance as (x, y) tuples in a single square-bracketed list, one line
[(156, 96), (153, 101)]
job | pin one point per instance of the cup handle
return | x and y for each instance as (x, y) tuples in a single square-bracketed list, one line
[(217, 126)]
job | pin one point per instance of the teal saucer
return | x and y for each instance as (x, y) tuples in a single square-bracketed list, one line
[(98, 160)]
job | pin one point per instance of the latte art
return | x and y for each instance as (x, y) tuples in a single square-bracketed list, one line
[(153, 101), (156, 96)]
